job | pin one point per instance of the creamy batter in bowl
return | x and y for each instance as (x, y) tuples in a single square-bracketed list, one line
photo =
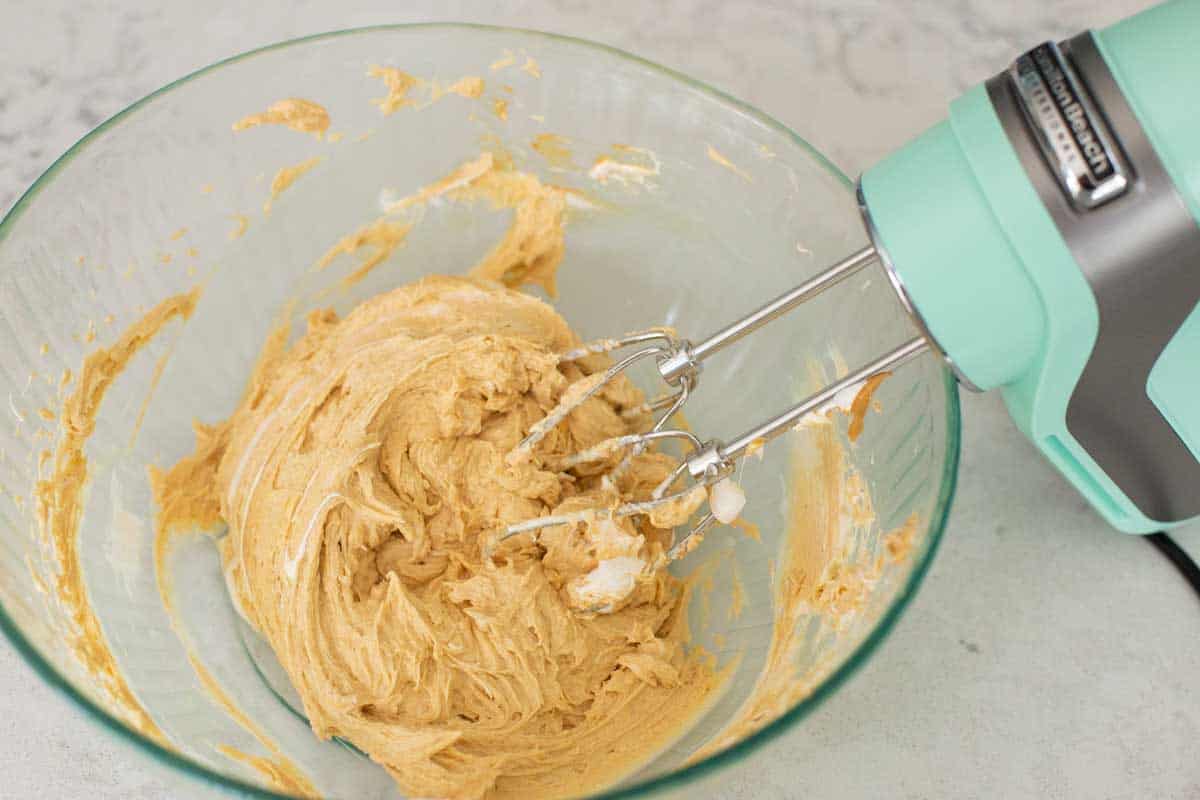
[(679, 206)]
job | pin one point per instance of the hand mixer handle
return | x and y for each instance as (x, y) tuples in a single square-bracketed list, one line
[(1046, 237)]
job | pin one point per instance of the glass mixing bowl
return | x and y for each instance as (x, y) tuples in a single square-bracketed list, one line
[(142, 208)]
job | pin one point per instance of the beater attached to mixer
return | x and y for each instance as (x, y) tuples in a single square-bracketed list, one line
[(1046, 242), (679, 363)]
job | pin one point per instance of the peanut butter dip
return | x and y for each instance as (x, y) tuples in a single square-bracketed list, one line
[(364, 480)]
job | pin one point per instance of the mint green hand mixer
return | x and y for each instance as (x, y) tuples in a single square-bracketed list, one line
[(1045, 239)]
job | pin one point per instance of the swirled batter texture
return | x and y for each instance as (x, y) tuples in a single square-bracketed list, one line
[(363, 480)]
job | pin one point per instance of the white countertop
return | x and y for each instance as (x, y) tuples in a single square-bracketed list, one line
[(1045, 656)]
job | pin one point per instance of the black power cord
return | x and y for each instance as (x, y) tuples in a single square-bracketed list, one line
[(1176, 555)]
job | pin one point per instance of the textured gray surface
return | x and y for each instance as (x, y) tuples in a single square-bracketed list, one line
[(1044, 657)]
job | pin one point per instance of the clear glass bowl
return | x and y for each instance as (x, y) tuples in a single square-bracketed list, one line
[(96, 241)]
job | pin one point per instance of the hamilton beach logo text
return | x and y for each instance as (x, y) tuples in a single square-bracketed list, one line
[(1073, 110), (1073, 141)]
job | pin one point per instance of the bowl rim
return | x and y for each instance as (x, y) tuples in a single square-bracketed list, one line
[(689, 773)]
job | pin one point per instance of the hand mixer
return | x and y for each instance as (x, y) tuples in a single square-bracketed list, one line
[(1045, 241)]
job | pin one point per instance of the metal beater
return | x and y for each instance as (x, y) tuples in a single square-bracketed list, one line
[(679, 363)]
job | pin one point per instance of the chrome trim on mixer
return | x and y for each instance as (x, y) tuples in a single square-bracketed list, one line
[(1139, 252), (902, 292)]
